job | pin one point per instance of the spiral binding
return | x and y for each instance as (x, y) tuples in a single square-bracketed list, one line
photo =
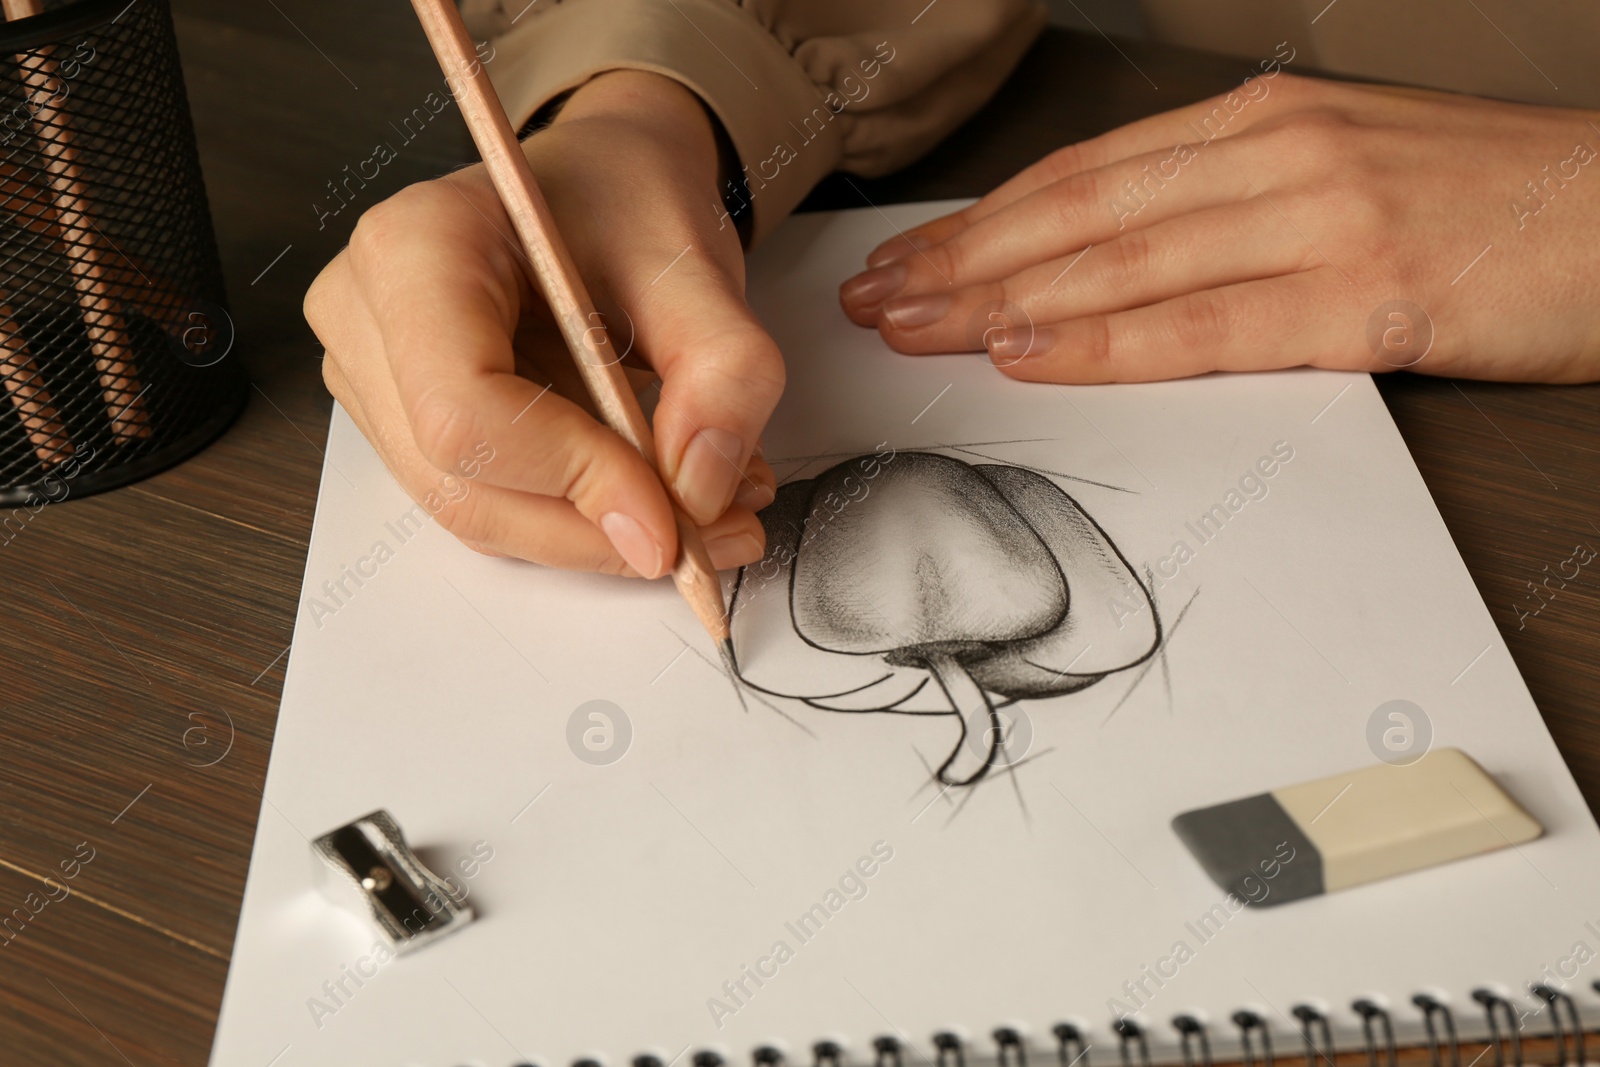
[(1369, 1011), (1069, 1037), (1555, 998), (1565, 1032)]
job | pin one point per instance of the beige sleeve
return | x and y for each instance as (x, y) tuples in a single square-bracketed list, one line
[(803, 87)]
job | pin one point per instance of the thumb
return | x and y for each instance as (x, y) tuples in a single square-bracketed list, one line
[(721, 376)]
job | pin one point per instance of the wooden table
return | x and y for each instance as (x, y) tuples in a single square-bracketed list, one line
[(146, 630)]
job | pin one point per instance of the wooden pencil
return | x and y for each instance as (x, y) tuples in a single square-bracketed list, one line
[(558, 278), (81, 239)]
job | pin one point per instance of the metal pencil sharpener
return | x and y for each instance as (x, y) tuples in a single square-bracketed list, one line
[(366, 867)]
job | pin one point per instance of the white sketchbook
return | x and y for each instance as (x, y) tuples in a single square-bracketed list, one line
[(1238, 572)]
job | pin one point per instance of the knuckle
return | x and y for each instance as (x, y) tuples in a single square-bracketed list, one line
[(1062, 162), (584, 467), (445, 430), (1314, 136), (1201, 321), (1131, 259), (393, 220), (332, 378), (944, 259), (1095, 348)]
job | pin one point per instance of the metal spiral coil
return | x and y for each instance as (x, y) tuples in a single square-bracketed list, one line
[(1371, 1012), (1492, 1001), (1193, 1032), (1314, 1024), (948, 1048), (1248, 1023), (1069, 1037), (1128, 1034), (1432, 1008)]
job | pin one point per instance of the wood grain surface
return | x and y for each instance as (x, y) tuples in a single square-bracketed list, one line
[(145, 630)]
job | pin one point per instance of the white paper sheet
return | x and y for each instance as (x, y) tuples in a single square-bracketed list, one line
[(623, 901)]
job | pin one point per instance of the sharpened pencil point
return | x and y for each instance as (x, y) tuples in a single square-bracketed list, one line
[(725, 647)]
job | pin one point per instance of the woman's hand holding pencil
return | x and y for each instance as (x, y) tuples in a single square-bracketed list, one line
[(437, 342)]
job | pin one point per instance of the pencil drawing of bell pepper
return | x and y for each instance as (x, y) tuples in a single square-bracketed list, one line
[(917, 583)]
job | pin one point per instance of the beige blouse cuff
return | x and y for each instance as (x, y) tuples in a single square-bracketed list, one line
[(864, 86)]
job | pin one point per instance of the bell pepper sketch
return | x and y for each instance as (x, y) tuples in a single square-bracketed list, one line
[(920, 584)]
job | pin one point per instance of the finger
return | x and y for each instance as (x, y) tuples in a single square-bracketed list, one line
[(505, 522), (1053, 221), (447, 298), (721, 375), (1267, 324), (551, 531), (1223, 115), (1200, 250)]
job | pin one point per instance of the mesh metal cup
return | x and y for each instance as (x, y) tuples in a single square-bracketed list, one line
[(115, 338)]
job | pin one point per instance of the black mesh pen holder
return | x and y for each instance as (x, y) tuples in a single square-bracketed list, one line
[(114, 332)]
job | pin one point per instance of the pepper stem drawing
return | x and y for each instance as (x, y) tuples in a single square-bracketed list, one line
[(892, 570), (964, 765)]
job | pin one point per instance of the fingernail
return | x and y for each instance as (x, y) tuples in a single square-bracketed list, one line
[(633, 542), (733, 550), (712, 464), (754, 495), (911, 311), (897, 247), (1007, 347), (873, 287)]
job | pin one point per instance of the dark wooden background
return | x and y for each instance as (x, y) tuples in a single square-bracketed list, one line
[(144, 631)]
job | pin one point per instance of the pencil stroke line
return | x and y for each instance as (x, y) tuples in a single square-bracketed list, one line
[(959, 444), (1043, 470), (1107, 440), (1149, 663)]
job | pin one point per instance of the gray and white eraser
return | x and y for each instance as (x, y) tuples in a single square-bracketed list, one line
[(1348, 829)]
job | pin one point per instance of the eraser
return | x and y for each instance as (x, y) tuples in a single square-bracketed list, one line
[(1336, 832)]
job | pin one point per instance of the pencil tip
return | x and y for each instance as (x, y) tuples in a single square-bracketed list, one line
[(725, 647)]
